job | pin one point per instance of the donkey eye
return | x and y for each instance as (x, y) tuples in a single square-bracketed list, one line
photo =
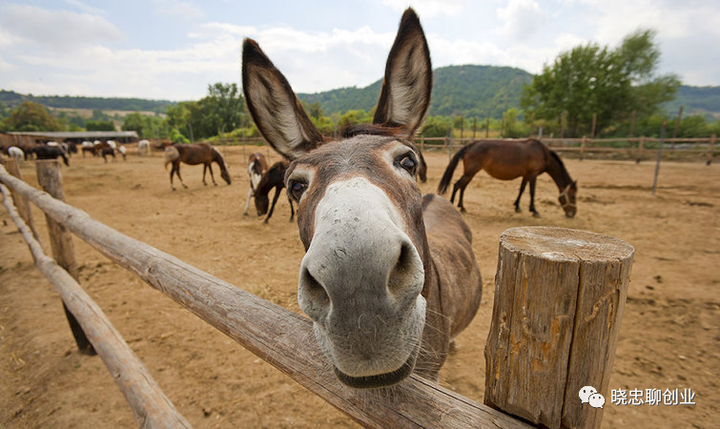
[(297, 189), (407, 162)]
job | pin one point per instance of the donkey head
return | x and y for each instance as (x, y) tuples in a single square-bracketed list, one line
[(359, 213)]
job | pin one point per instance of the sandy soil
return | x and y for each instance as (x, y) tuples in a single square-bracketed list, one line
[(669, 337)]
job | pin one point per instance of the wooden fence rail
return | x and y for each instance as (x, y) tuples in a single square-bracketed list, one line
[(279, 336), (150, 406), (636, 146)]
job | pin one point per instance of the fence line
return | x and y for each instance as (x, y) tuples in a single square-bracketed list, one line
[(635, 145), (150, 407), (280, 337)]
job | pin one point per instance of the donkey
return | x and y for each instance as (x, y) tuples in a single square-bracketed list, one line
[(257, 166), (194, 154), (389, 277)]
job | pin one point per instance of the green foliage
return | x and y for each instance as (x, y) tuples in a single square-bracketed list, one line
[(592, 79), (146, 126), (99, 103), (29, 116), (176, 136), (100, 126), (696, 100), (512, 127), (436, 126)]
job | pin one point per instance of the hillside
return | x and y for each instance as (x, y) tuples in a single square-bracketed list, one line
[(470, 90), (702, 100), (12, 99)]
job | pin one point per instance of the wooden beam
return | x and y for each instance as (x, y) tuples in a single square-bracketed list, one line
[(149, 405), (22, 204), (559, 300), (280, 337)]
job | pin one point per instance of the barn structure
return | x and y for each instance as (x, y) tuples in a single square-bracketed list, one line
[(30, 138)]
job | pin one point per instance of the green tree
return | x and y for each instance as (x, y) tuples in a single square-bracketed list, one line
[(99, 126), (592, 79), (29, 116), (436, 126)]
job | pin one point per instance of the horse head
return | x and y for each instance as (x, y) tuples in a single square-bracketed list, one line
[(360, 213)]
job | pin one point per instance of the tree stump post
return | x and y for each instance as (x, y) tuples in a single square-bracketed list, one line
[(48, 176), (559, 300)]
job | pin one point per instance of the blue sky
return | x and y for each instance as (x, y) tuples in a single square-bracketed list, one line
[(172, 49)]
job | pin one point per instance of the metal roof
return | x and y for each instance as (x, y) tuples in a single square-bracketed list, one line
[(78, 134)]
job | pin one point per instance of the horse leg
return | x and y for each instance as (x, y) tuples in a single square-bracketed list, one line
[(532, 198), (172, 172), (204, 171), (212, 176), (247, 205), (522, 189), (272, 206), (460, 185), (177, 171)]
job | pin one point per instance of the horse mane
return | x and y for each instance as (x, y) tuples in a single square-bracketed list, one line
[(217, 157), (561, 165)]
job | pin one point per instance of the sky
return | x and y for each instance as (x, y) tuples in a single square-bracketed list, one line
[(174, 49)]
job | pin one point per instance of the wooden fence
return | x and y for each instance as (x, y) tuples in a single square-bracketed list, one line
[(572, 343), (634, 147)]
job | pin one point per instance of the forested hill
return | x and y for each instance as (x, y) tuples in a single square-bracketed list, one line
[(12, 99), (703, 100), (470, 90)]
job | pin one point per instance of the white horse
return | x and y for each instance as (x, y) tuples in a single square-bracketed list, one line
[(143, 147), (16, 153), (122, 151)]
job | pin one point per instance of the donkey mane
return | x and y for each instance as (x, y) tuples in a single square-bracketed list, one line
[(369, 130)]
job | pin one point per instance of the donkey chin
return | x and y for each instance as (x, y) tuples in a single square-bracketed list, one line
[(370, 356)]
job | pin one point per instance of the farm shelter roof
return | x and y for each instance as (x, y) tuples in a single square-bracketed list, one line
[(121, 136)]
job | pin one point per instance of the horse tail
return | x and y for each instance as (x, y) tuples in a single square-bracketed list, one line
[(447, 176), (171, 154)]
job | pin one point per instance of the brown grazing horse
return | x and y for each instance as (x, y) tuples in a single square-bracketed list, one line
[(194, 154), (257, 166), (389, 277), (508, 160), (273, 178)]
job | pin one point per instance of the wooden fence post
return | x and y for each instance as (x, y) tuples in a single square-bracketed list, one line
[(21, 203), (641, 143), (559, 300), (48, 176), (711, 149)]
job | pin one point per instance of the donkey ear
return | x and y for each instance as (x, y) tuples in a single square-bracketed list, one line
[(405, 95), (276, 110)]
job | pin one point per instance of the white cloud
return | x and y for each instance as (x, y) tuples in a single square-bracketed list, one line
[(521, 19), (428, 8), (56, 30), (85, 7), (183, 9)]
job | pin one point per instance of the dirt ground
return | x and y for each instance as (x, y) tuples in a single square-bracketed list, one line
[(669, 337)]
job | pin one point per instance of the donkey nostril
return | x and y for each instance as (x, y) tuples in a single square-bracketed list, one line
[(403, 273), (313, 298)]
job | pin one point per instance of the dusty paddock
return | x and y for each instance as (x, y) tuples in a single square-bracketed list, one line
[(669, 337)]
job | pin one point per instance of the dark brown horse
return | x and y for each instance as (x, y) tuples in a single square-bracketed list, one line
[(508, 160), (42, 151), (257, 166), (194, 154), (274, 177), (389, 277)]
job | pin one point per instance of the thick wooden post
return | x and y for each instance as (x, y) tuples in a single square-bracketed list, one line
[(559, 300), (711, 149), (21, 203), (48, 176), (594, 124)]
